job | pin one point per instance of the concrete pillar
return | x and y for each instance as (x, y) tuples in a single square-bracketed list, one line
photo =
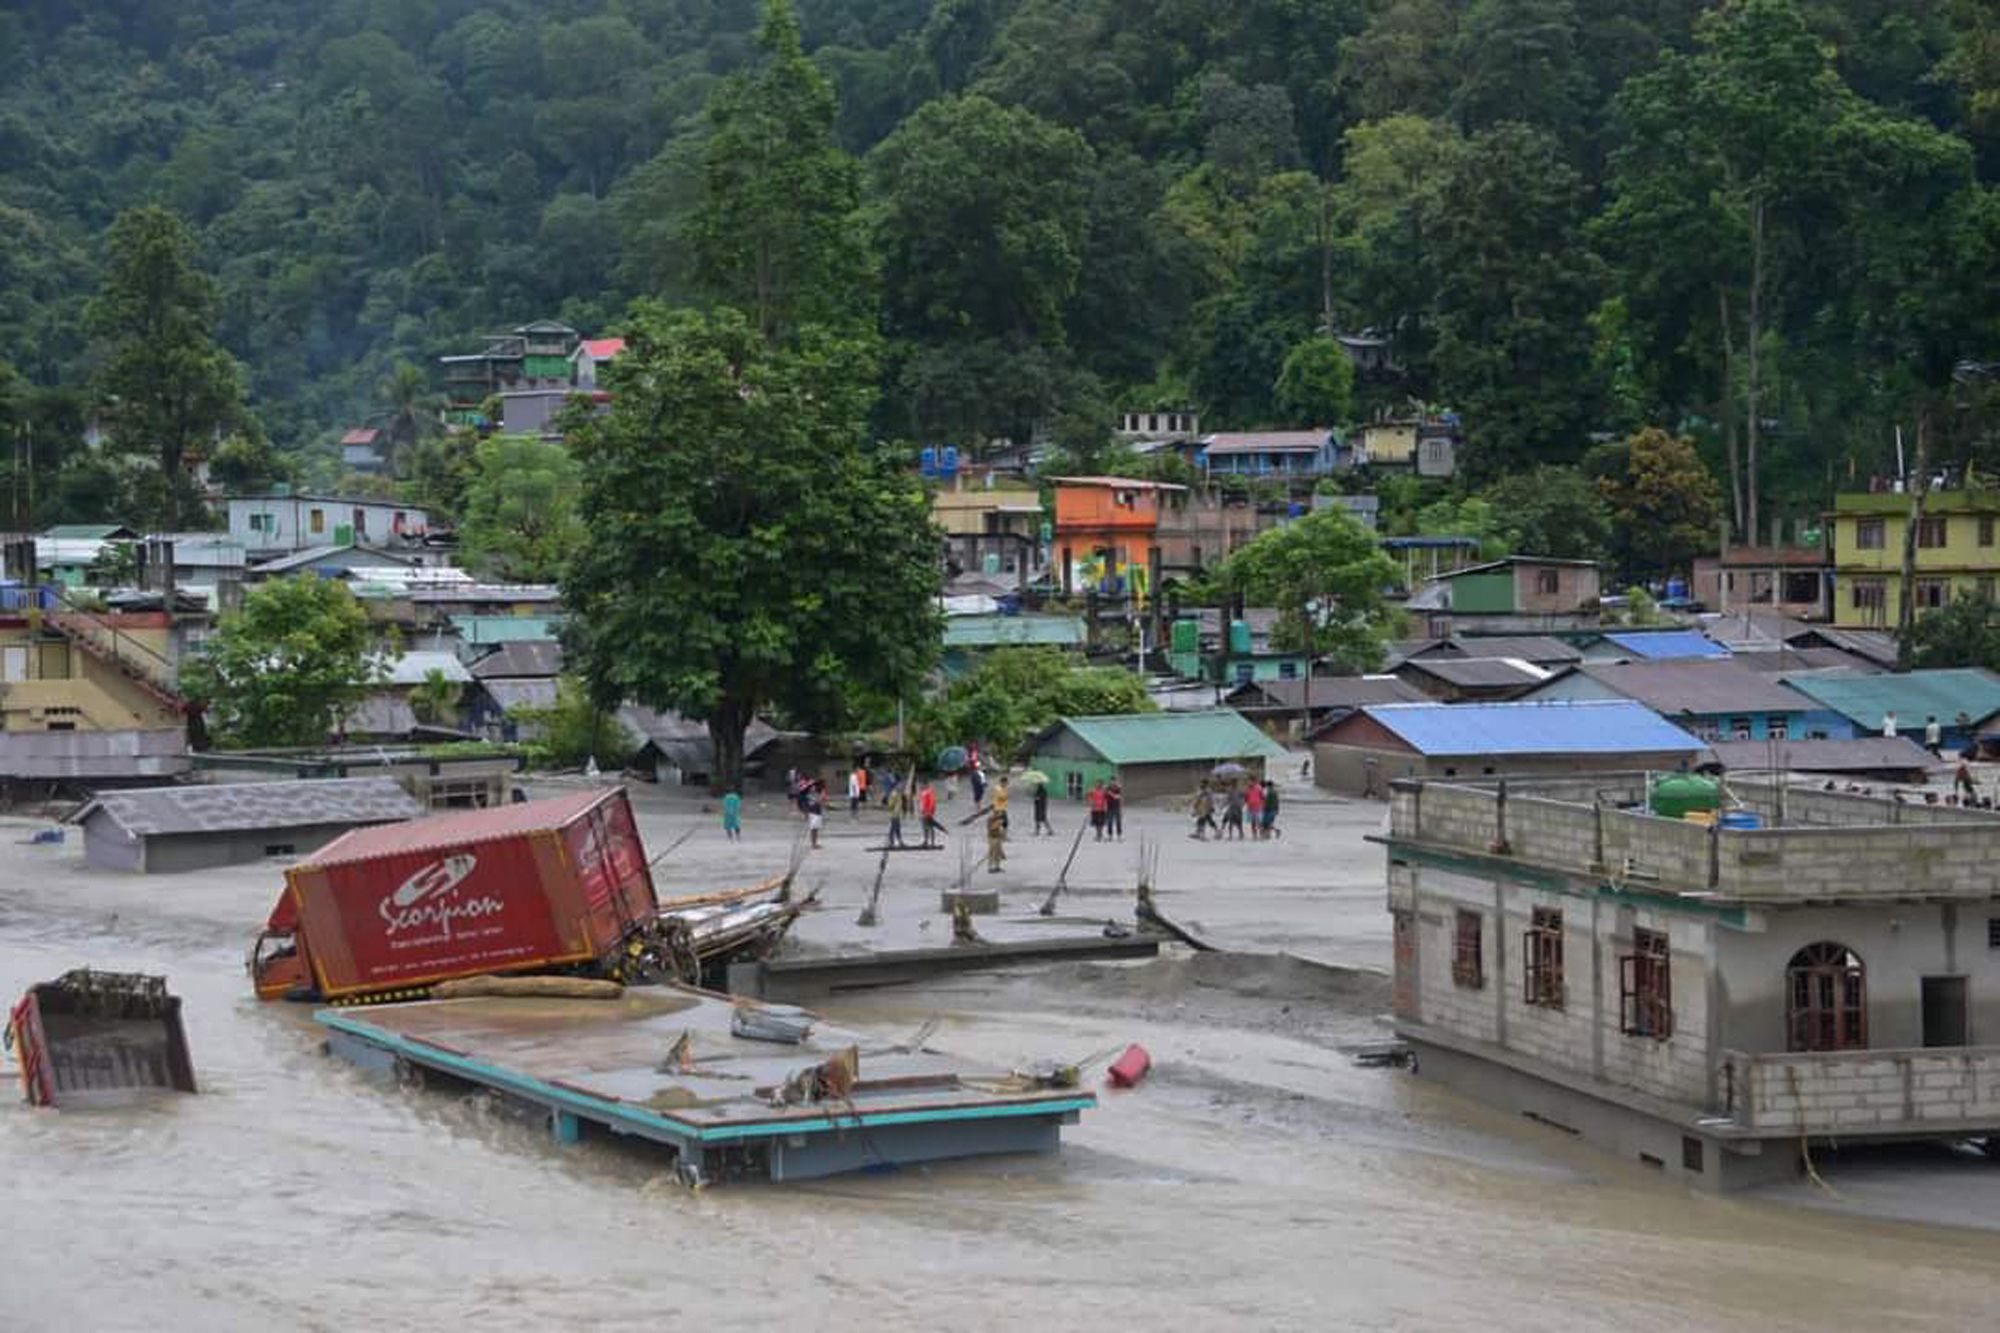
[(565, 1128), (1068, 578)]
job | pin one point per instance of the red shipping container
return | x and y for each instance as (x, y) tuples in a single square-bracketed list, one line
[(522, 887)]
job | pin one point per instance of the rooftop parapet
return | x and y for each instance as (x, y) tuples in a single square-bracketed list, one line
[(1816, 847)]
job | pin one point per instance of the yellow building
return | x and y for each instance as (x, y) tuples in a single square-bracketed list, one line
[(77, 671), (991, 529), (1958, 551)]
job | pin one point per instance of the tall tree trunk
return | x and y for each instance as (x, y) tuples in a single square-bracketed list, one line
[(1326, 259), (1753, 408), (726, 726), (1727, 413)]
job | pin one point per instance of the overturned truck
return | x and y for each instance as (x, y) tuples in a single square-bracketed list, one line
[(553, 886)]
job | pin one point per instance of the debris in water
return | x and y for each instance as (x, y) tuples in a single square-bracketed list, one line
[(88, 1032)]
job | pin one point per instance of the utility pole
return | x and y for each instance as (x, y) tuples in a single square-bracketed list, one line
[(1906, 607)]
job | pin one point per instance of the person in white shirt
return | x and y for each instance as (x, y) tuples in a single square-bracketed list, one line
[(1889, 724)]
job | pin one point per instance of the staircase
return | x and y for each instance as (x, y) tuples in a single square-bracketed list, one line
[(153, 673)]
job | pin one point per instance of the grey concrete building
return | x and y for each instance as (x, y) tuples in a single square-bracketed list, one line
[(169, 829), (1713, 1001)]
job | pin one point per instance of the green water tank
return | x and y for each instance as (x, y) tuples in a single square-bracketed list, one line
[(1676, 794), (1239, 638), (1187, 636)]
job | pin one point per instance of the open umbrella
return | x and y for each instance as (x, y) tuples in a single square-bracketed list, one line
[(1034, 777), (951, 759), (1231, 772)]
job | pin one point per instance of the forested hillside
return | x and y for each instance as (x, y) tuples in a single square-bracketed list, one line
[(1771, 225)]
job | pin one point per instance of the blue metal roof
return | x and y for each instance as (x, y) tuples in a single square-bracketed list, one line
[(1659, 645), (1593, 726)]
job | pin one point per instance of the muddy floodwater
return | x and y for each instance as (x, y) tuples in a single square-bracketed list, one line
[(1258, 1180)]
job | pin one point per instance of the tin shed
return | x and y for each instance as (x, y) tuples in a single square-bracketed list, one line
[(169, 829), (1150, 754)]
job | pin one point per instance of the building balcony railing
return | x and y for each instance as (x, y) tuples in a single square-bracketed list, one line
[(1858, 1093)]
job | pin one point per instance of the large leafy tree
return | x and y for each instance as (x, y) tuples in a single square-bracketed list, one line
[(777, 234), (1326, 576), (1963, 634), (287, 666), (1516, 287), (746, 547), (168, 389), (521, 508), (1016, 692), (1552, 511), (1664, 502), (980, 223)]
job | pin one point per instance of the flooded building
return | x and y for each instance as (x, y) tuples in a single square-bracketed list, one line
[(1715, 1000)]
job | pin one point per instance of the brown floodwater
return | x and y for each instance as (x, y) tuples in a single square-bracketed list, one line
[(1258, 1180)]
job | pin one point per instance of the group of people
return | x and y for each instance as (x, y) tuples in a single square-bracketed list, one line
[(1249, 810), (1107, 809)]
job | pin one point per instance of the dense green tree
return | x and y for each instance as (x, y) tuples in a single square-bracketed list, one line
[(1015, 693), (1516, 287), (777, 232), (745, 548), (520, 520), (1316, 383), (1552, 511), (1664, 502), (413, 410), (434, 699), (286, 667), (574, 730), (1963, 634), (167, 388), (1326, 576), (980, 225), (1518, 62)]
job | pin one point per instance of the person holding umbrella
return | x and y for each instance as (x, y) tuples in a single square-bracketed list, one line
[(1040, 783)]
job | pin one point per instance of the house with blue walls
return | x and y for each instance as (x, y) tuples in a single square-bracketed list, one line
[(1277, 454), (1713, 699)]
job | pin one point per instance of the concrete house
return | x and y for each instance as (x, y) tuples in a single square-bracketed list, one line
[(1522, 594), (1464, 679), (1708, 1001), (276, 524), (1277, 454), (1712, 700), (1957, 552), (1151, 754), (169, 829), (1361, 754)]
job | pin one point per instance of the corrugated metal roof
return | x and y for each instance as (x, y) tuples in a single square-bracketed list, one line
[(381, 715), (1862, 754), (1478, 672), (1536, 648), (507, 629), (1698, 686), (1596, 726), (1266, 441), (1786, 660), (362, 557), (1168, 738), (1662, 644), (1911, 697), (1328, 692), (1008, 631), (415, 668), (227, 807), (459, 828), (515, 693), (517, 660)]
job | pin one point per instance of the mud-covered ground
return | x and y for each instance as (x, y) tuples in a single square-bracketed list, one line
[(1259, 1179)]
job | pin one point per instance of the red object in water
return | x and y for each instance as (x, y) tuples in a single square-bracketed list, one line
[(514, 888), (1129, 1068)]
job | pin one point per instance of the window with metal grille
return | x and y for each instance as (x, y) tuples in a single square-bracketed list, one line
[(1868, 534), (1542, 947), (1548, 582), (1645, 988), (1986, 530), (1467, 967), (1932, 594), (1993, 932), (1932, 533)]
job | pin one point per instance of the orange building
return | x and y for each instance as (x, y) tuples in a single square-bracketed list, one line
[(1106, 530)]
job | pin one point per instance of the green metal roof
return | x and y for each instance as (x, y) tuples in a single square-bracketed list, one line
[(1012, 631), (507, 629), (1167, 738), (85, 532), (1913, 696)]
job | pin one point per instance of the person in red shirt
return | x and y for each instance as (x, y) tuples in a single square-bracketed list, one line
[(927, 808), (1253, 800), (1100, 802)]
